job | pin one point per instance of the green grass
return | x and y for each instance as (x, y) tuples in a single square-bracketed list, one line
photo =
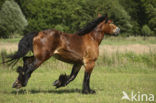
[(109, 87), (112, 74), (128, 40)]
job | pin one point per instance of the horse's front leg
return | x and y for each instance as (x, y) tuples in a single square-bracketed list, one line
[(65, 79), (86, 82)]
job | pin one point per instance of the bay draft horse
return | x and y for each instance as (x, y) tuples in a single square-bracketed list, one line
[(81, 48)]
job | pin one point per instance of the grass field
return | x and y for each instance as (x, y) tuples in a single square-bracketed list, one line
[(125, 64)]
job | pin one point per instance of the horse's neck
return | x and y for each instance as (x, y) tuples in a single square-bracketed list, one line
[(97, 35)]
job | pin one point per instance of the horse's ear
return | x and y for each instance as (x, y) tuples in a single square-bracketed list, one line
[(106, 18), (110, 21), (99, 15)]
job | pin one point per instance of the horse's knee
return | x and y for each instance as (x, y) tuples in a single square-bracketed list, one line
[(89, 66)]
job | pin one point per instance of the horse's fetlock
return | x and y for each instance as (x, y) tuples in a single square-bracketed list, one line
[(19, 70)]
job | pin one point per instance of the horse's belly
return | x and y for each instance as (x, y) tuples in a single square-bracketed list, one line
[(68, 57)]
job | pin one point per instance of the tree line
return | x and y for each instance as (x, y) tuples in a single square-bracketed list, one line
[(134, 17)]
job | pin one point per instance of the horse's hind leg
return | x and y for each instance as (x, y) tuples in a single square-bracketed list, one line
[(29, 67), (65, 80), (21, 70), (30, 64)]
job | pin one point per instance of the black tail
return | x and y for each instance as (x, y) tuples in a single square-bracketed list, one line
[(25, 45)]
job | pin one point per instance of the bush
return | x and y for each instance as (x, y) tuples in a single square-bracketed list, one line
[(64, 15), (1, 3), (69, 16), (152, 24), (146, 31), (12, 19)]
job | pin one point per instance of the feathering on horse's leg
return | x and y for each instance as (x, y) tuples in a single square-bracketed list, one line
[(30, 64), (65, 79)]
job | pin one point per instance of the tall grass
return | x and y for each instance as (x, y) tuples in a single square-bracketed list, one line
[(110, 40), (116, 62), (128, 62), (12, 40), (120, 40)]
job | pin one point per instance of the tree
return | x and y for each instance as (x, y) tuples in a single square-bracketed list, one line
[(1, 3), (71, 15), (66, 15), (115, 12), (150, 10), (12, 19), (142, 12), (146, 31)]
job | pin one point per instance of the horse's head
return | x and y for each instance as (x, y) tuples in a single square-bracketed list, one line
[(108, 27)]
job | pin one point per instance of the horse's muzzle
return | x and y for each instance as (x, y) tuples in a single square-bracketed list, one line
[(117, 31)]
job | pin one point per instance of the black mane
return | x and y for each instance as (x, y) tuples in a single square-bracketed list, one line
[(90, 26)]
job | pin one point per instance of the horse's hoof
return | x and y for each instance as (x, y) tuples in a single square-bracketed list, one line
[(88, 91), (57, 83), (92, 92), (62, 81), (17, 84)]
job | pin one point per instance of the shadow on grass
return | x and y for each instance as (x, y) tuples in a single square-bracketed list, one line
[(56, 91)]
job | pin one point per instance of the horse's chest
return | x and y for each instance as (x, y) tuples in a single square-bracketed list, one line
[(91, 52)]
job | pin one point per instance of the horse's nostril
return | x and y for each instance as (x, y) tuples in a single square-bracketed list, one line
[(118, 29)]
